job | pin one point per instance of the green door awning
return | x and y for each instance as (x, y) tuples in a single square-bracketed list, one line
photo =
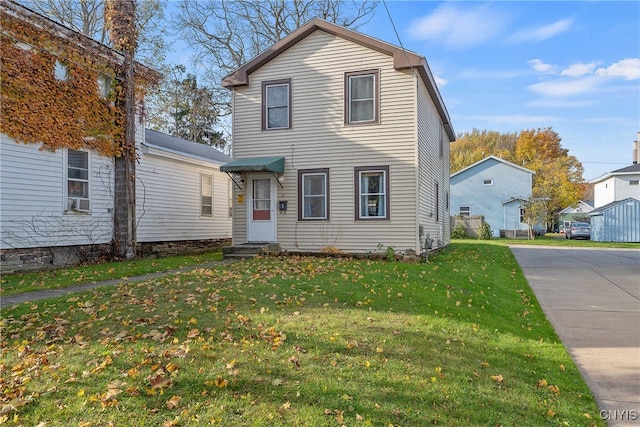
[(255, 164)]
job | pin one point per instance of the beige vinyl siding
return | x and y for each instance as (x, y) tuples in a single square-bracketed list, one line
[(168, 199), (432, 168), (32, 192), (319, 138)]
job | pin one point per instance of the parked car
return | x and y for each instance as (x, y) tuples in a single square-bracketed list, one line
[(579, 230)]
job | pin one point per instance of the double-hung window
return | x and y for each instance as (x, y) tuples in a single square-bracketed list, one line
[(206, 195), (372, 192), (78, 181), (276, 104), (465, 210), (313, 194), (361, 97)]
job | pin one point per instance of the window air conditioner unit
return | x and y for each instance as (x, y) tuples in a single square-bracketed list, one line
[(80, 205)]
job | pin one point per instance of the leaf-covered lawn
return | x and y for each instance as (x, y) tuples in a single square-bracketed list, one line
[(297, 341)]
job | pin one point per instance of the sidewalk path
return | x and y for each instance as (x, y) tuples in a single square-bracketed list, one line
[(6, 301), (592, 298)]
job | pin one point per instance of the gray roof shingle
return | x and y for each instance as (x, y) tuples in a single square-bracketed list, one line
[(172, 144)]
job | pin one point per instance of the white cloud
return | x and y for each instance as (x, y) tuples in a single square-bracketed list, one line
[(440, 81), (565, 87), (541, 67), (559, 103), (457, 27), (515, 119), (541, 33), (629, 69), (474, 73), (577, 70)]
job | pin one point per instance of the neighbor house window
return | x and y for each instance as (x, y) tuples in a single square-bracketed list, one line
[(447, 201), (633, 182), (372, 192), (361, 97), (276, 104), (488, 182), (104, 86), (61, 71), (465, 210), (313, 194), (78, 181), (522, 215), (206, 195)]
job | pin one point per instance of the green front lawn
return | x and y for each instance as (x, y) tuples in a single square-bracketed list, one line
[(11, 284), (297, 341)]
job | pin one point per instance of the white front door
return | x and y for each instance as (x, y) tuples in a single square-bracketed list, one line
[(261, 209)]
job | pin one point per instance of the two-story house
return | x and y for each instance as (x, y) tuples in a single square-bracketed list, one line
[(341, 141), (495, 189), (617, 185)]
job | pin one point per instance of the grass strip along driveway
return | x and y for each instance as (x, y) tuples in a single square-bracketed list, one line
[(297, 341)]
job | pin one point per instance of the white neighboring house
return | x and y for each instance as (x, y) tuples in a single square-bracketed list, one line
[(180, 192), (54, 198), (617, 185)]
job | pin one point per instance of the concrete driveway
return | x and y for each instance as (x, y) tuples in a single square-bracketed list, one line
[(592, 298)]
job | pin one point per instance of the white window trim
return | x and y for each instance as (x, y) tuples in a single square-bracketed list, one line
[(385, 192), (68, 200), (325, 175), (376, 100), (265, 101), (464, 211), (202, 205)]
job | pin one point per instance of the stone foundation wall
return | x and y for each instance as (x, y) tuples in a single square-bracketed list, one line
[(35, 259), (183, 247)]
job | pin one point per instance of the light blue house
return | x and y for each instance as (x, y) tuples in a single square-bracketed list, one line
[(494, 188)]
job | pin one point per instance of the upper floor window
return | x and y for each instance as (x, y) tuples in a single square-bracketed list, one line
[(313, 194), (634, 182), (465, 210), (276, 104), (78, 181), (104, 86), (206, 195), (372, 192), (361, 97), (488, 182), (61, 71)]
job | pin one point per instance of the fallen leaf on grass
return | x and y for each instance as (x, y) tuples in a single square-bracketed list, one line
[(497, 378), (173, 402), (159, 382)]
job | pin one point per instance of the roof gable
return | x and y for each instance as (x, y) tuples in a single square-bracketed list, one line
[(496, 159), (402, 59)]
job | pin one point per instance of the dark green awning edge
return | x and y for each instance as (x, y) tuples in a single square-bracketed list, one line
[(255, 164)]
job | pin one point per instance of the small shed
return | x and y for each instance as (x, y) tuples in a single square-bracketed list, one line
[(617, 221)]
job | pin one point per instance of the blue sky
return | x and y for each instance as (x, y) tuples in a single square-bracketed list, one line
[(509, 66)]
